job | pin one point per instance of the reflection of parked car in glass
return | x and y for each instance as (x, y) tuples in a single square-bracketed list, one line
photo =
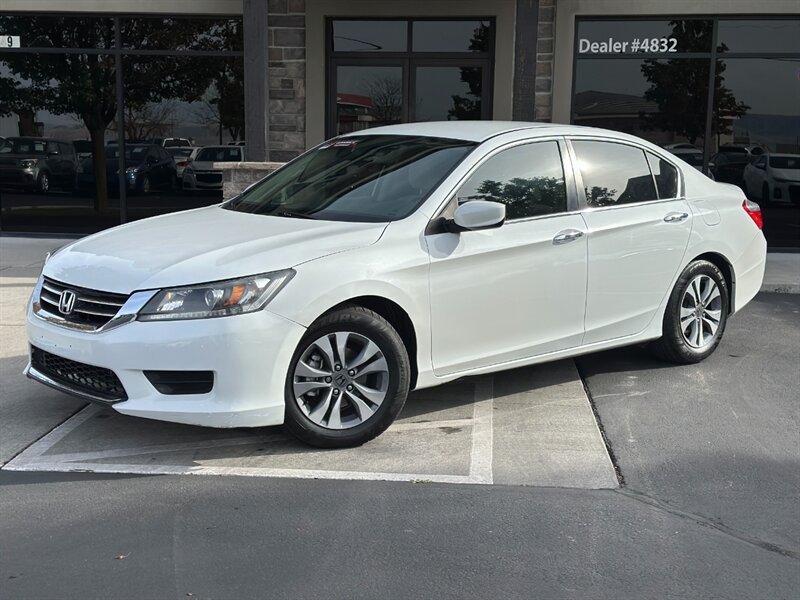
[(171, 142), (729, 166), (692, 155), (146, 167), (751, 149), (38, 164), (182, 157), (199, 174), (680, 146), (83, 148), (774, 177)]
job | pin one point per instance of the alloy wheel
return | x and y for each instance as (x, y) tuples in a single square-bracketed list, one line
[(340, 380), (701, 312)]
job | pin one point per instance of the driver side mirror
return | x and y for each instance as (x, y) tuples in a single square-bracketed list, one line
[(477, 215)]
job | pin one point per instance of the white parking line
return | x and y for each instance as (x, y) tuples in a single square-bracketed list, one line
[(35, 458)]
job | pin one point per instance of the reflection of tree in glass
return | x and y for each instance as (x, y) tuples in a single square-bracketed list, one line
[(148, 121), (470, 107), (524, 197), (84, 84), (387, 99), (600, 196), (680, 86)]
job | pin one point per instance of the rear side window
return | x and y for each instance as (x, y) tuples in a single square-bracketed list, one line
[(614, 174), (666, 176), (528, 179)]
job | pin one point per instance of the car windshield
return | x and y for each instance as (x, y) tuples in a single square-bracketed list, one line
[(23, 146), (180, 152), (784, 162), (132, 153), (372, 178), (224, 154)]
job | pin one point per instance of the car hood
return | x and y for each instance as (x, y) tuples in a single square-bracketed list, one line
[(201, 245), (13, 158)]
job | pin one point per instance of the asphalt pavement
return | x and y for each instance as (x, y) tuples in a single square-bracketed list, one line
[(708, 457)]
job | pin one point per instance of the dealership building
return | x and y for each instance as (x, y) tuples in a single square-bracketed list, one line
[(715, 81)]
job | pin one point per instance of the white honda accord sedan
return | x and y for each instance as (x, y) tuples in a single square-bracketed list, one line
[(394, 259)]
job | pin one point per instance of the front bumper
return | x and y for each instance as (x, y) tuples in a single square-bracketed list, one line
[(249, 355), (18, 176)]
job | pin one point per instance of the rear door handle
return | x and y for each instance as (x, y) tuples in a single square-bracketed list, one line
[(676, 217), (567, 236)]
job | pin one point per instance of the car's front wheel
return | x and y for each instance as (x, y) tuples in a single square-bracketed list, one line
[(43, 183), (348, 379), (696, 314)]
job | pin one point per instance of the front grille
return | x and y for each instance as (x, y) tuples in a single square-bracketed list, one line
[(209, 177), (794, 193), (92, 308), (78, 377)]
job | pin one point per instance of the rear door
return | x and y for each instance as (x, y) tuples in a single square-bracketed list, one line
[(638, 227), (519, 290)]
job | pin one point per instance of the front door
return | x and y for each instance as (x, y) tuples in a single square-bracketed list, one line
[(517, 291), (638, 229)]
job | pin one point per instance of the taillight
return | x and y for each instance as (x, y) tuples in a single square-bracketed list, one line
[(754, 210), (182, 163)]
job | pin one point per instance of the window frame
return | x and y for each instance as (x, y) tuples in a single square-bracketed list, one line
[(449, 205), (408, 61), (578, 176)]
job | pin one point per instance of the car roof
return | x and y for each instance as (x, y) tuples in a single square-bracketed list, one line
[(480, 131)]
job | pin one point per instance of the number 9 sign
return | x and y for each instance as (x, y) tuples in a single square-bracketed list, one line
[(10, 41)]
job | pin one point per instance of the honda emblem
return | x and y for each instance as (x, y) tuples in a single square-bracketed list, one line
[(67, 302)]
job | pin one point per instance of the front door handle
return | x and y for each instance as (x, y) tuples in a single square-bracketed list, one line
[(567, 236), (676, 217)]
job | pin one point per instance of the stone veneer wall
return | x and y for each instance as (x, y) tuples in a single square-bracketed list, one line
[(543, 108), (237, 176), (287, 78)]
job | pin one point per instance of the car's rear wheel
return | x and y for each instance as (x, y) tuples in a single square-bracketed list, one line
[(696, 314), (348, 379)]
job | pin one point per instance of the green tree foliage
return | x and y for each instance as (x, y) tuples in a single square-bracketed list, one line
[(679, 87)]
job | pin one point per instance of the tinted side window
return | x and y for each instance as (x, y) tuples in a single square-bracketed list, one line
[(528, 179), (52, 147), (614, 173), (666, 176)]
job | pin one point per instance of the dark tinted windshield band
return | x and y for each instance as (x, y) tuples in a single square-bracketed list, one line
[(370, 178)]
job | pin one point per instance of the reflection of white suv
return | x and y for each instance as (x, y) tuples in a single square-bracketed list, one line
[(774, 177), (199, 174)]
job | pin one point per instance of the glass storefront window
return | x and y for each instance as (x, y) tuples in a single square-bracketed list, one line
[(630, 36), (663, 101), (174, 33), (445, 75), (66, 102), (448, 93), (41, 31), (368, 96), (370, 36), (759, 35), (451, 36)]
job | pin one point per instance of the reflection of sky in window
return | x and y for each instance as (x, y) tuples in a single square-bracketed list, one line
[(185, 119), (436, 87)]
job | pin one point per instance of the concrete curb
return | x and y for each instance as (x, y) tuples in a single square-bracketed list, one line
[(772, 288)]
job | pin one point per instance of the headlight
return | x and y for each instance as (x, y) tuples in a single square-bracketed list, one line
[(28, 163), (132, 170), (218, 299)]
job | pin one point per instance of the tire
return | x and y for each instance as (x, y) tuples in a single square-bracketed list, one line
[(145, 184), (42, 183), (686, 344), (314, 394)]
